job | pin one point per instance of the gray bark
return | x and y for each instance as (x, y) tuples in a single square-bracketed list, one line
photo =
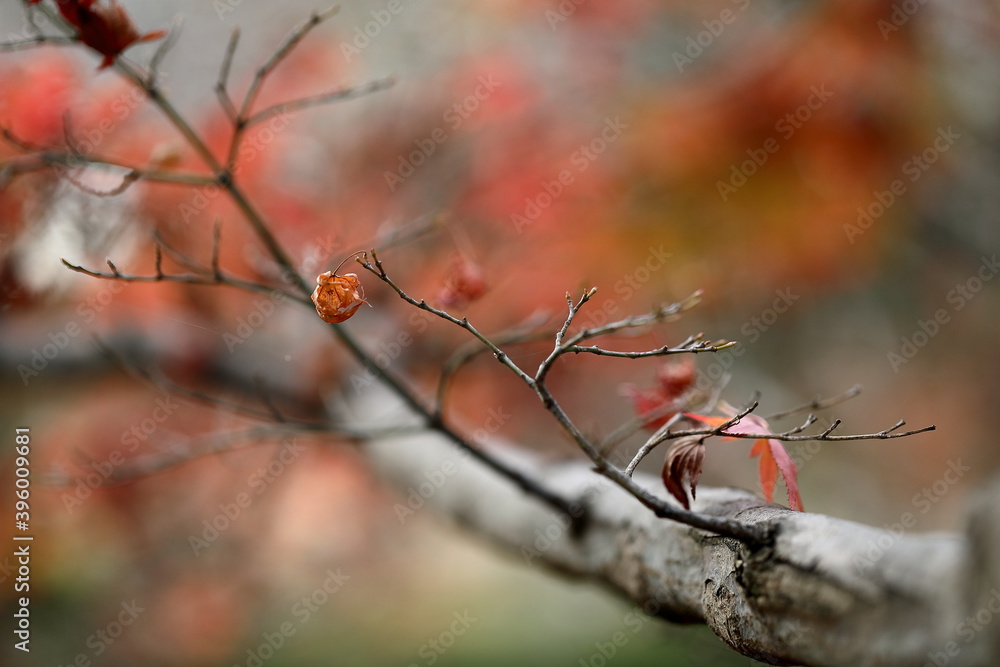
[(825, 592)]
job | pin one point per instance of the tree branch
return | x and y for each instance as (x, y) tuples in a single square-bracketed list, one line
[(822, 592)]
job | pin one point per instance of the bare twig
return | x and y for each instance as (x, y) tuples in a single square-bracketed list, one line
[(222, 86), (240, 122), (662, 313), (794, 435), (37, 40), (375, 267), (406, 231), (338, 95), (660, 507), (127, 181), (161, 51), (529, 331), (192, 279), (216, 245), (162, 383), (651, 444), (692, 344), (48, 159), (818, 403)]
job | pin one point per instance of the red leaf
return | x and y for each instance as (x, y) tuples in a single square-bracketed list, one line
[(774, 460), (673, 379), (684, 459), (465, 283), (106, 28), (646, 402)]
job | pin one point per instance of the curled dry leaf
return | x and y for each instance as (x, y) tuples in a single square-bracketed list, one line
[(337, 298), (684, 459), (103, 26)]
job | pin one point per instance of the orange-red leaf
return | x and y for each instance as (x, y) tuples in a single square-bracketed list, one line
[(774, 460), (337, 298)]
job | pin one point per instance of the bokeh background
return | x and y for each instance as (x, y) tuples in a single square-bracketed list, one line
[(826, 171)]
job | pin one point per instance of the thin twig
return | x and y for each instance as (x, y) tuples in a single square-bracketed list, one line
[(789, 436), (37, 40), (339, 95), (222, 176), (818, 403), (48, 159), (161, 51), (622, 432), (662, 313), (558, 349), (222, 86), (166, 385), (692, 347), (216, 245), (527, 332), (191, 279), (406, 231), (375, 267), (661, 508), (651, 444), (290, 42), (127, 182), (260, 384)]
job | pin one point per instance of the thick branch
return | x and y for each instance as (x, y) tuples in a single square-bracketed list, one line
[(824, 592)]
